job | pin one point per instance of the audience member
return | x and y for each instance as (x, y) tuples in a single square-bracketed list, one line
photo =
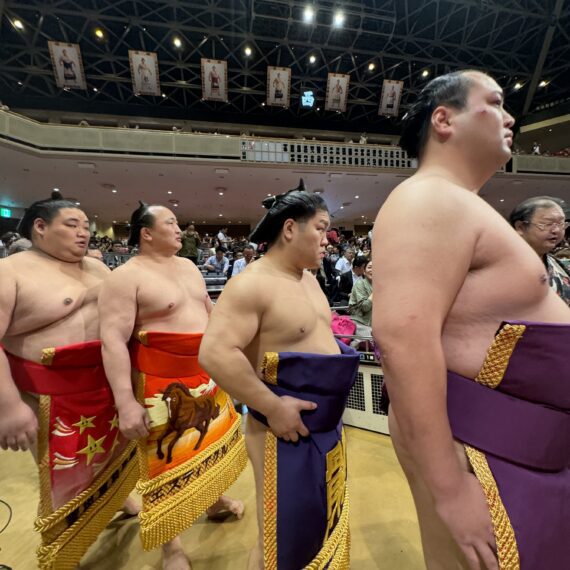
[(344, 264), (19, 245), (349, 278), (241, 264), (190, 243), (218, 263), (360, 304)]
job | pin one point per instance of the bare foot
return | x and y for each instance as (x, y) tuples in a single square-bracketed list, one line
[(224, 508), (173, 556)]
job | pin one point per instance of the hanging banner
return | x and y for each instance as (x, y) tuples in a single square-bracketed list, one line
[(337, 92), (390, 98), (144, 73), (214, 80), (278, 86), (67, 65)]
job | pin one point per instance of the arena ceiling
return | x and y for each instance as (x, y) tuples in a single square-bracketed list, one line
[(520, 42)]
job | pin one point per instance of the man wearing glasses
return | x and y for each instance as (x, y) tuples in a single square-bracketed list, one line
[(540, 221)]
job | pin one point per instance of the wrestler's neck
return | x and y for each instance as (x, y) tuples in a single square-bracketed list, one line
[(162, 256), (282, 262), (46, 255), (455, 167)]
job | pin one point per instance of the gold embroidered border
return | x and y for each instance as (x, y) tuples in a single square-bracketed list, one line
[(507, 550), (65, 552), (335, 552), (143, 337), (48, 355), (499, 354), (44, 411), (269, 366), (166, 520), (141, 442), (270, 501)]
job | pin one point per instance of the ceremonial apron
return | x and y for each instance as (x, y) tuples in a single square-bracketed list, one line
[(86, 467), (305, 499), (195, 450), (514, 420)]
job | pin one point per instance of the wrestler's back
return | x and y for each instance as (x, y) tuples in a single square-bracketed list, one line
[(296, 315), (56, 302), (169, 299)]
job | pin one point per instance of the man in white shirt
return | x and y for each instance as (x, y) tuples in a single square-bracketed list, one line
[(218, 263), (344, 264), (223, 237), (242, 263)]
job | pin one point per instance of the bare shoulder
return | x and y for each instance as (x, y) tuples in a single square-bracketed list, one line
[(9, 267), (310, 280), (124, 276), (248, 289), (188, 267), (96, 267)]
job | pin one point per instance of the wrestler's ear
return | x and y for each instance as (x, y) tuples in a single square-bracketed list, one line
[(289, 227), (441, 121), (40, 226), (146, 234)]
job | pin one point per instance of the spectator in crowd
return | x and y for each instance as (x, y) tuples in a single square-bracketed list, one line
[(218, 263), (118, 247), (348, 279), (344, 264), (241, 264), (21, 244), (190, 244), (360, 304), (540, 221), (8, 238), (94, 252), (223, 237), (334, 255), (535, 148)]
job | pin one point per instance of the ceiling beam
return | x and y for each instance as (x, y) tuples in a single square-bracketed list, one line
[(542, 56)]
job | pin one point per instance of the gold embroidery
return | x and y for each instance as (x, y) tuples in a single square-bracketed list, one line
[(270, 502), (269, 367), (507, 550), (336, 484), (143, 337), (47, 357), (499, 354)]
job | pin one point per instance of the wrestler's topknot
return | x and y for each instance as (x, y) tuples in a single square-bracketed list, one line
[(451, 89), (140, 218), (46, 210), (297, 204)]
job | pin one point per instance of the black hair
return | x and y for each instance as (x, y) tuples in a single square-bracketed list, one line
[(220, 248), (47, 210), (9, 237), (451, 89), (296, 204), (525, 210), (360, 261), (140, 218)]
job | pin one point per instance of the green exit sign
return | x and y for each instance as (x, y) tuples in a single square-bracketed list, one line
[(5, 213)]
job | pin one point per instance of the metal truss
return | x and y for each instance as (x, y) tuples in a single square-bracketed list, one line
[(514, 40)]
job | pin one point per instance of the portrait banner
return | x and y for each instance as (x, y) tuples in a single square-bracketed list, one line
[(278, 86), (144, 73), (67, 65), (214, 80), (337, 92), (390, 98)]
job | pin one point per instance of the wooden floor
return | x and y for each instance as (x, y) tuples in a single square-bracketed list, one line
[(382, 519)]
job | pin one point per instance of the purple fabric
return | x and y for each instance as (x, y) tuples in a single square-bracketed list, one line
[(301, 466), (534, 483)]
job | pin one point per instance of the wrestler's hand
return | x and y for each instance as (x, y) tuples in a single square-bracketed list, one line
[(285, 419), (18, 426), (466, 515), (134, 422)]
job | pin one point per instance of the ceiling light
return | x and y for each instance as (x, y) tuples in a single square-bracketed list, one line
[(99, 33), (357, 197), (114, 190), (221, 193), (371, 66), (342, 207), (247, 51), (338, 19), (220, 215), (177, 42), (425, 73), (18, 24), (114, 221), (56, 189), (164, 95), (95, 89), (175, 205), (20, 83), (263, 104), (169, 192), (518, 85), (270, 194), (309, 14), (312, 59), (543, 83), (362, 216), (502, 200), (95, 215), (78, 203)]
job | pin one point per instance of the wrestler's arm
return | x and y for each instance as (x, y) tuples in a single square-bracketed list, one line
[(233, 325), (18, 423), (412, 298), (117, 314)]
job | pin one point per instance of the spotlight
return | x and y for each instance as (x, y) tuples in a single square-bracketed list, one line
[(312, 59), (177, 42), (247, 51), (518, 85), (95, 89), (99, 33), (425, 73), (308, 14), (543, 83), (371, 66), (18, 24), (338, 19)]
